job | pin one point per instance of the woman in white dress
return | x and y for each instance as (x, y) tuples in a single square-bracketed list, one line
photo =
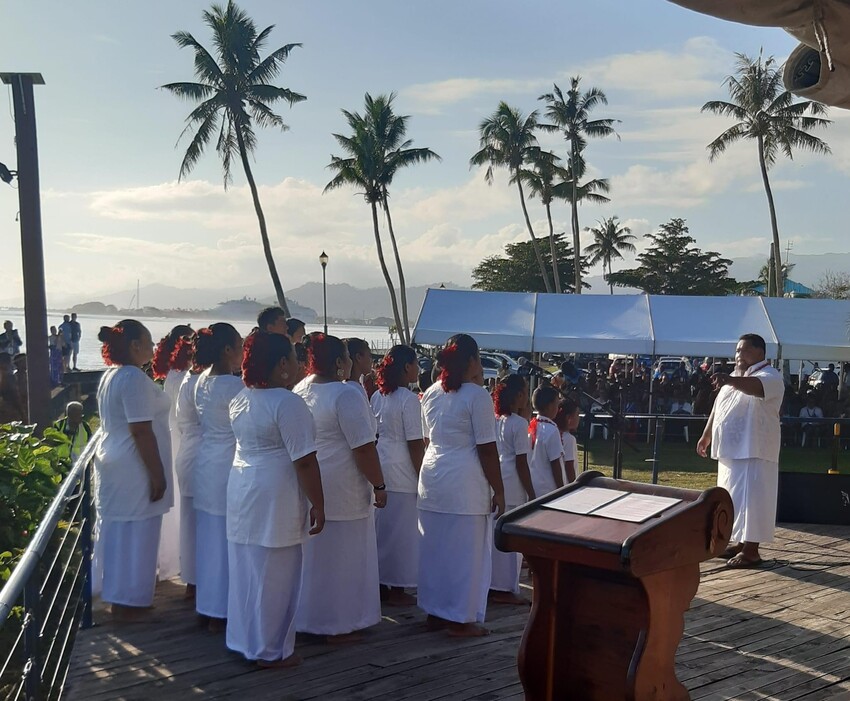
[(460, 487), (339, 591), (547, 462), (400, 448), (274, 474), (170, 370), (189, 426), (133, 466), (220, 347), (511, 403), (567, 420)]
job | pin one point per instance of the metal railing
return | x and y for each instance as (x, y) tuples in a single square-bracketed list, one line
[(50, 592)]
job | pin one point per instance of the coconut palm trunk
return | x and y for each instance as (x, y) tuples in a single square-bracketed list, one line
[(574, 220), (556, 276), (534, 243), (261, 218), (384, 270), (779, 286), (404, 331)]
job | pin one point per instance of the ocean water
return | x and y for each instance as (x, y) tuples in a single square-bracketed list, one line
[(90, 358)]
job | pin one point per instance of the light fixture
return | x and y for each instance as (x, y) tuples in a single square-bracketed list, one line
[(6, 175)]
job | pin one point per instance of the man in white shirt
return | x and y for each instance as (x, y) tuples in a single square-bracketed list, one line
[(811, 429), (744, 434)]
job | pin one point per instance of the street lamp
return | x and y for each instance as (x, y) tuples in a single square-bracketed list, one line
[(323, 259)]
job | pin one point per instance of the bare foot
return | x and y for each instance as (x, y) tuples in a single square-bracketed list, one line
[(433, 623), (130, 614), (292, 661), (344, 638), (189, 594), (217, 625), (507, 597), (731, 551), (398, 597), (467, 630)]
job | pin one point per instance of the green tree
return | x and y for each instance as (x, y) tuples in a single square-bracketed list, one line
[(766, 113), (516, 270), (234, 93), (507, 140), (672, 265), (395, 153), (609, 240), (570, 115), (544, 178)]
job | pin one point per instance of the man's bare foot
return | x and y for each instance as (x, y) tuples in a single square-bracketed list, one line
[(344, 638), (731, 551), (216, 625), (396, 596), (433, 623), (292, 661), (189, 594), (467, 630), (130, 614), (507, 597), (742, 561)]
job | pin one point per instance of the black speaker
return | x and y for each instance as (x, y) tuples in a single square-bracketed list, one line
[(814, 498)]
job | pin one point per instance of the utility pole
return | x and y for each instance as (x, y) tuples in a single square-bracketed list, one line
[(32, 251)]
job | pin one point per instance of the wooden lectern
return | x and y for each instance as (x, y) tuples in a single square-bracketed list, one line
[(609, 594)]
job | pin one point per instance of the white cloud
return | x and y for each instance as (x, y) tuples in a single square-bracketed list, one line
[(432, 98)]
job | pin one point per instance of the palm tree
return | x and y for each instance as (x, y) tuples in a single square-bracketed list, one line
[(766, 112), (766, 277), (234, 91), (609, 240), (507, 139), (571, 115), (395, 152), (543, 179)]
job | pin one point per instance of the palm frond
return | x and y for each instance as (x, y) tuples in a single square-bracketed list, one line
[(734, 133), (189, 91), (198, 144), (270, 66)]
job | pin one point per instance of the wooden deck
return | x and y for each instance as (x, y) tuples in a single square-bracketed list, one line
[(778, 633)]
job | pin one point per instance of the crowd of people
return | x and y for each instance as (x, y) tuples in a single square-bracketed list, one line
[(306, 499)]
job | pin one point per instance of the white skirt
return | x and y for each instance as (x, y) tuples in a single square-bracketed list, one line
[(211, 572), (264, 588), (339, 586), (397, 527), (753, 485), (128, 552), (188, 529), (454, 565), (506, 568)]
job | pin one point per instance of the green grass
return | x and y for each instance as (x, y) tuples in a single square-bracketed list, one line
[(680, 466)]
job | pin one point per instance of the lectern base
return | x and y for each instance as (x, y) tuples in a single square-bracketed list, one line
[(589, 636)]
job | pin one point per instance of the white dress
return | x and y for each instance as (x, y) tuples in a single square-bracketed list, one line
[(546, 448), (213, 394), (169, 541), (570, 453), (267, 521), (189, 426), (512, 440), (339, 587), (399, 419), (130, 522), (455, 503), (745, 441)]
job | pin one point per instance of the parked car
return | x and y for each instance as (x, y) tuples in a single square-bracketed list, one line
[(513, 365)]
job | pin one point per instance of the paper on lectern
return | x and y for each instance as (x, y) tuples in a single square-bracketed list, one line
[(612, 503)]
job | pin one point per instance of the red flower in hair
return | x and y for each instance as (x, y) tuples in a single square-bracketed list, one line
[(532, 431)]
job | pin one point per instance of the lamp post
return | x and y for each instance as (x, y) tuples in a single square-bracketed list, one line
[(323, 259)]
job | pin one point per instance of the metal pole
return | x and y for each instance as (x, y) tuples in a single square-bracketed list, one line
[(32, 252), (656, 445), (32, 665), (87, 621), (325, 296)]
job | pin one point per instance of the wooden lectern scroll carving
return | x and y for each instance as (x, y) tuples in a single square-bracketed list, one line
[(610, 595)]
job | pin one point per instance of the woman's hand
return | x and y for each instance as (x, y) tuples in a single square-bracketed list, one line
[(317, 520), (380, 498), (499, 504), (157, 482), (702, 446)]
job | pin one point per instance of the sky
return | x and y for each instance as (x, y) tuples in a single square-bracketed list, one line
[(113, 210)]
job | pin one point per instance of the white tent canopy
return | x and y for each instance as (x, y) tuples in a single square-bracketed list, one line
[(640, 324)]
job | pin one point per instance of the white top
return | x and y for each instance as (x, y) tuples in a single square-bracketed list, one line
[(570, 452), (189, 426), (359, 386), (546, 448), (213, 394), (746, 426), (399, 417), (343, 423), (814, 412), (171, 387), (512, 440), (126, 395), (452, 480), (265, 504)]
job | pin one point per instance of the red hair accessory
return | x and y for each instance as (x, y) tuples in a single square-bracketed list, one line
[(532, 431)]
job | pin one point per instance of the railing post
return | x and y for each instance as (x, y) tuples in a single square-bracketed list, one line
[(32, 664), (656, 446), (86, 536)]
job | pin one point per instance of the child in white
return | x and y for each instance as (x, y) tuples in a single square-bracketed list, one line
[(547, 471)]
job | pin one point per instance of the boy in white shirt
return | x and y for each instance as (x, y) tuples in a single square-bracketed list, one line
[(547, 451)]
